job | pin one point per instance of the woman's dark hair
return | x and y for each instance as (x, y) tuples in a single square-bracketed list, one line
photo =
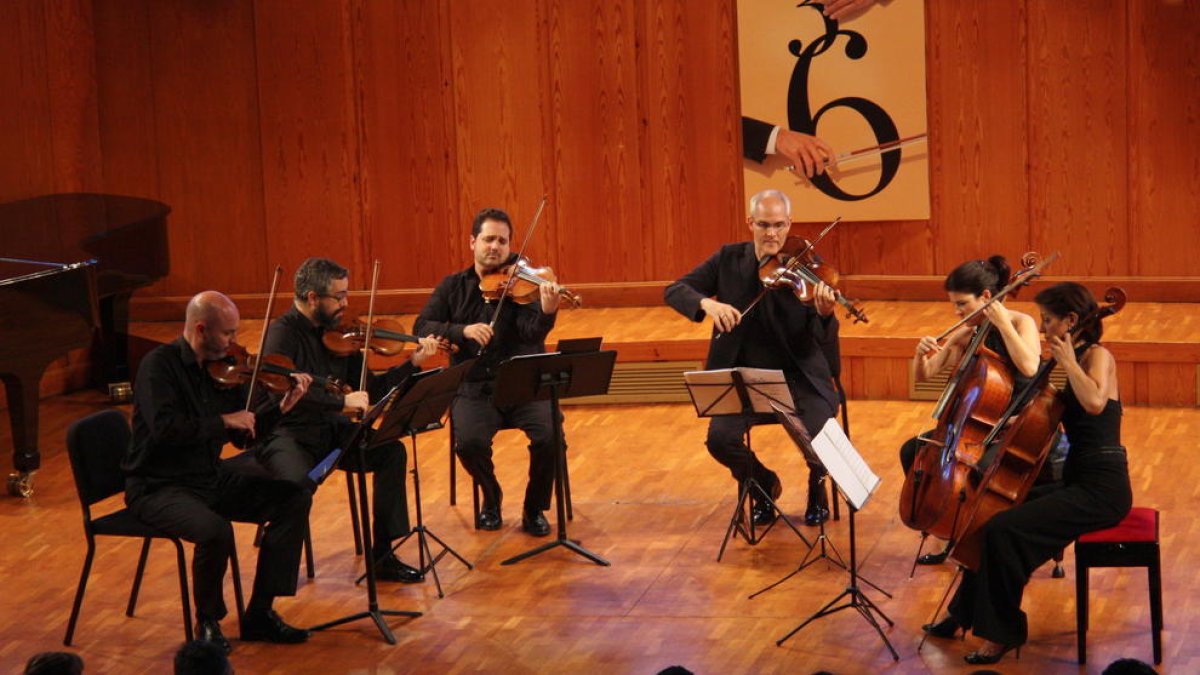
[(977, 276), (1067, 297)]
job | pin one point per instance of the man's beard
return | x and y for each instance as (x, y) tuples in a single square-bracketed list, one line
[(327, 320)]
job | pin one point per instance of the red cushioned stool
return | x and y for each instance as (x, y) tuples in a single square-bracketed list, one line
[(1131, 543)]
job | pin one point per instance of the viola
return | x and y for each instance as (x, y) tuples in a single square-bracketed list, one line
[(274, 371), (1021, 446), (799, 269), (388, 337), (522, 283)]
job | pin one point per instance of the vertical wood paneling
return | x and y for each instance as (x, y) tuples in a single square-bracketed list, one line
[(1164, 136), (311, 147), (598, 180), (1078, 159), (26, 143), (500, 103), (74, 116), (410, 203), (690, 133), (209, 158), (977, 130), (125, 84)]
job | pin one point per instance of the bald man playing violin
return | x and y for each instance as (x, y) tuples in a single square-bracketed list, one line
[(782, 333), (319, 425), (176, 482), (457, 311)]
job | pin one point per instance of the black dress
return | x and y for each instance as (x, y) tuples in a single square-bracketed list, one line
[(1095, 495)]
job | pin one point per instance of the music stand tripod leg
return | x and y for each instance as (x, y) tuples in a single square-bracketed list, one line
[(559, 497), (373, 611)]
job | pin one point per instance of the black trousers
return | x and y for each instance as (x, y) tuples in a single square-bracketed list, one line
[(476, 421), (726, 439), (290, 459), (202, 516), (1018, 541)]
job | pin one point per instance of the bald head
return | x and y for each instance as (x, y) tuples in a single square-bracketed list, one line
[(210, 324)]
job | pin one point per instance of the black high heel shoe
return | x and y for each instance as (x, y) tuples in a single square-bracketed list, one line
[(978, 658), (946, 628)]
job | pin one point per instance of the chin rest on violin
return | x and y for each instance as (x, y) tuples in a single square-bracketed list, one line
[(523, 284), (388, 337), (275, 372), (799, 269)]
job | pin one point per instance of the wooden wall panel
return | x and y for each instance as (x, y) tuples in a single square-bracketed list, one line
[(410, 195), (310, 128), (690, 120), (26, 142), (74, 115), (598, 182), (1078, 158), (1164, 136), (979, 182), (209, 155), (501, 104)]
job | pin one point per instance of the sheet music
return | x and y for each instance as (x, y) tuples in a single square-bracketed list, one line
[(845, 464)]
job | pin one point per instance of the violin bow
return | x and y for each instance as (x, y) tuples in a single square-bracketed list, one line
[(871, 151), (1021, 280), (366, 348), (262, 340), (512, 274)]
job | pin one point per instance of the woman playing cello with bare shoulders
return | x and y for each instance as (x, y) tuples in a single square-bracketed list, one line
[(1096, 492)]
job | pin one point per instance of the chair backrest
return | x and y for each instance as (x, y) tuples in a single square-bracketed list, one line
[(96, 444)]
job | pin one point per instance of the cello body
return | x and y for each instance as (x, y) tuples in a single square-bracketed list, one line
[(946, 467)]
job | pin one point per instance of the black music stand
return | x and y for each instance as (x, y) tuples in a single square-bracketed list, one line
[(358, 443), (742, 392), (421, 409), (856, 482), (554, 376)]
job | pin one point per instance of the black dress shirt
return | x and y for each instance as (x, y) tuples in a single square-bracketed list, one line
[(177, 428), (457, 302)]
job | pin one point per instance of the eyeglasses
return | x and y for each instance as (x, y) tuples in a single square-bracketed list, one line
[(764, 225), (338, 297)]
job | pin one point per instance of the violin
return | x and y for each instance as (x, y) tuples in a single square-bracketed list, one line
[(388, 337), (522, 283), (799, 269), (274, 372)]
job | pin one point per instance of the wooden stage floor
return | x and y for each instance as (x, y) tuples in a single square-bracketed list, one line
[(648, 498)]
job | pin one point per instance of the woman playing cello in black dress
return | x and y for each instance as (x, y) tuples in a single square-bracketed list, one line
[(1096, 492)]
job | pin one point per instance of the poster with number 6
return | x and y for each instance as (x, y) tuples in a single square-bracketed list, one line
[(856, 83)]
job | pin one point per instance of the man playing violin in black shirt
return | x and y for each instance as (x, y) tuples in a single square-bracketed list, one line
[(318, 424), (782, 333), (176, 482), (457, 311)]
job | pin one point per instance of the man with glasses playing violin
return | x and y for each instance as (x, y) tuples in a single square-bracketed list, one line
[(175, 481), (457, 311), (782, 333), (319, 423)]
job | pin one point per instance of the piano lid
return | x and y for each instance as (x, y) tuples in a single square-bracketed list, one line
[(125, 237)]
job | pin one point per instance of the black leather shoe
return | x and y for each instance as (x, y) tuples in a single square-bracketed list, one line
[(982, 658), (817, 511), (269, 627), (390, 568), (535, 523), (208, 630), (762, 514), (933, 558), (946, 628), (489, 518)]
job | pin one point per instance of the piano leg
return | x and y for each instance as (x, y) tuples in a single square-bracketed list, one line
[(22, 389)]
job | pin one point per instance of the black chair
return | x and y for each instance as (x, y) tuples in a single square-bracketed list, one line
[(95, 445)]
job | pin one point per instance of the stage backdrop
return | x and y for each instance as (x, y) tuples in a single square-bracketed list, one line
[(855, 84)]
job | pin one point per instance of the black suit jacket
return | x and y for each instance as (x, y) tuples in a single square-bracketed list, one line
[(807, 340), (755, 135)]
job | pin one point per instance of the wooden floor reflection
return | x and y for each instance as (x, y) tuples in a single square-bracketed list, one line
[(648, 498)]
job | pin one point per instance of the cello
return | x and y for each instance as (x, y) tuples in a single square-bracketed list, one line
[(1021, 447), (972, 404)]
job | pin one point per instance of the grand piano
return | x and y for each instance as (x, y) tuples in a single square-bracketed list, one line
[(68, 266)]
